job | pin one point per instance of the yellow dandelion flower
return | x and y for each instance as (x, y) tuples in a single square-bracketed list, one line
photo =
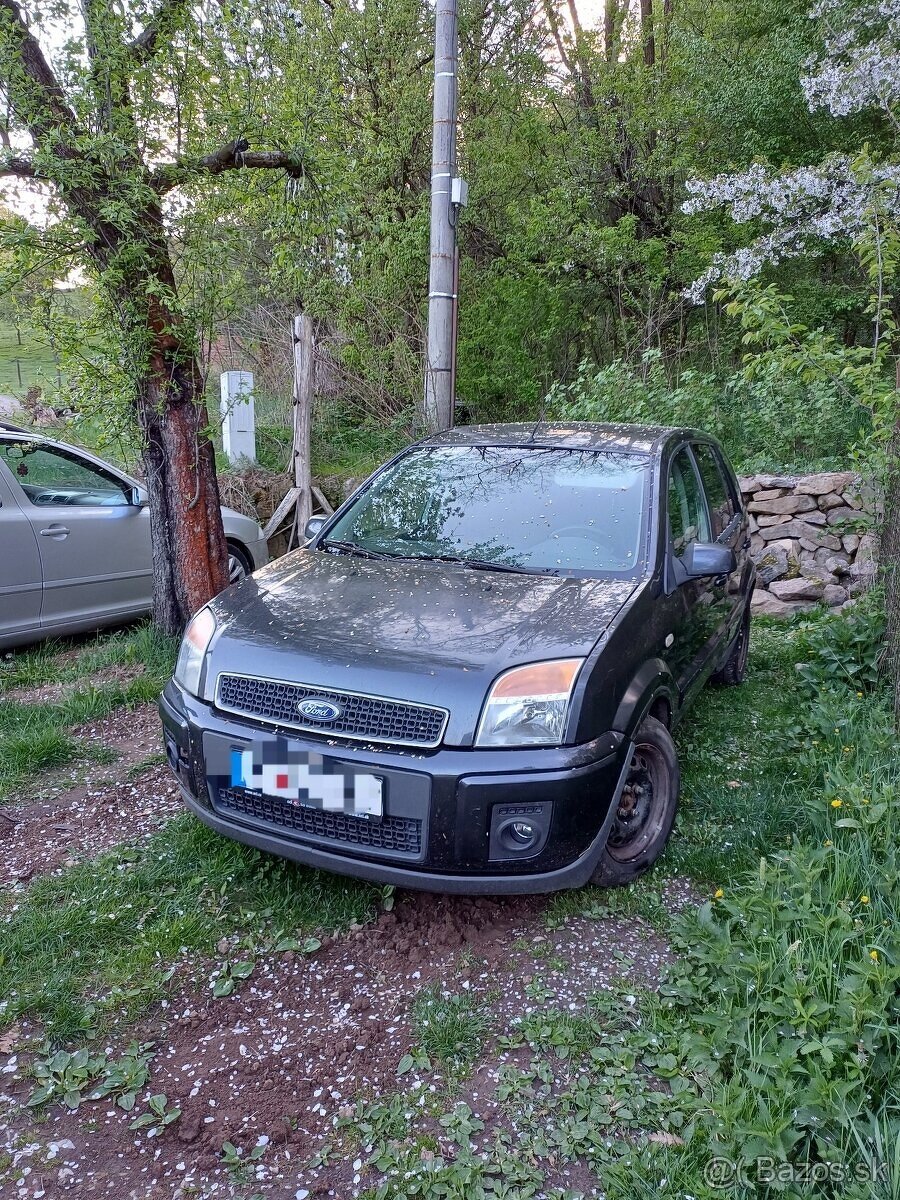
[(827, 842), (859, 695), (719, 894), (873, 954), (836, 803), (864, 899)]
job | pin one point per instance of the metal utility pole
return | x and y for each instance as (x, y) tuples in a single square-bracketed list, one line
[(439, 369)]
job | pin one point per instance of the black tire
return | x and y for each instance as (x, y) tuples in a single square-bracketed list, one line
[(239, 564), (734, 670), (646, 811)]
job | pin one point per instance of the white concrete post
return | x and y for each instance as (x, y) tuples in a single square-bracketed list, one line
[(238, 416)]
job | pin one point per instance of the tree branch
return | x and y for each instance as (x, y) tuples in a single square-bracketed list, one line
[(18, 168), (234, 156), (41, 104), (144, 45)]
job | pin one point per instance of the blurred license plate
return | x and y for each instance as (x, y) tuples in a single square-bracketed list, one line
[(276, 768)]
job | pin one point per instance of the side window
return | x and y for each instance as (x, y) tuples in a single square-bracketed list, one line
[(49, 476), (718, 493), (687, 510)]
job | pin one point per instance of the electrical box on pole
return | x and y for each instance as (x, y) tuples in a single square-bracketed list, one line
[(238, 412)]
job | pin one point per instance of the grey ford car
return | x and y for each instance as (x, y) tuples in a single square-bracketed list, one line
[(466, 681), (75, 541)]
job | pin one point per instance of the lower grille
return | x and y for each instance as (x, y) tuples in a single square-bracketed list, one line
[(397, 835)]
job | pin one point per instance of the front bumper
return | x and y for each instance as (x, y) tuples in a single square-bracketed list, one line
[(452, 797)]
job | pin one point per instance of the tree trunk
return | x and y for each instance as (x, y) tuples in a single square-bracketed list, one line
[(190, 557)]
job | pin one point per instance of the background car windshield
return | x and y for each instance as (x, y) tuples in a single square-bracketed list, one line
[(566, 511)]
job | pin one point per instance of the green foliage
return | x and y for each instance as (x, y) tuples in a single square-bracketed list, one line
[(846, 650), (769, 420), (158, 1116), (72, 1077)]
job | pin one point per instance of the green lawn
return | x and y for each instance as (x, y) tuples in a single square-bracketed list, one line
[(24, 366)]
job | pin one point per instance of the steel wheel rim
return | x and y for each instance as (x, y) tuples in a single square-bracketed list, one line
[(642, 806)]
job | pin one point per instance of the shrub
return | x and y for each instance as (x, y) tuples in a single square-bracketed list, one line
[(771, 421)]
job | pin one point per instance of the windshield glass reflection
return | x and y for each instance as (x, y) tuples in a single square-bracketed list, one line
[(559, 511)]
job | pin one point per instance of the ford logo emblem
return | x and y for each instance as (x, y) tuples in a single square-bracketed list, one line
[(319, 710)]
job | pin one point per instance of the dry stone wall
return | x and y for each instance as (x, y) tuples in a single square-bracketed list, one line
[(810, 539)]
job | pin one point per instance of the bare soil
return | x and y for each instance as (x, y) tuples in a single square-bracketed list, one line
[(278, 1062), (83, 811)]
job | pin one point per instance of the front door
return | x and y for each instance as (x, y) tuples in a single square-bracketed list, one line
[(690, 603), (94, 543), (20, 571)]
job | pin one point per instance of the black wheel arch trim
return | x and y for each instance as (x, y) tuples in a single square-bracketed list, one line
[(652, 682)]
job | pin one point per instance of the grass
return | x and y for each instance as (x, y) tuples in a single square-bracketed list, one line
[(21, 367), (742, 790), (33, 736), (450, 1030), (79, 947)]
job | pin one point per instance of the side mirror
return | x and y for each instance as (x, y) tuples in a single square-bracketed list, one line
[(314, 526), (702, 559), (138, 498)]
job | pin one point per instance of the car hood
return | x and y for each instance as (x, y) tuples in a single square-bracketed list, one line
[(435, 633)]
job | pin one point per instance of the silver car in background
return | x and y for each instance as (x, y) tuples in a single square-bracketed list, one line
[(75, 541)]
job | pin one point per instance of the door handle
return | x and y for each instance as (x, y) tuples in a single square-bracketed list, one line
[(720, 580), (55, 531), (745, 544)]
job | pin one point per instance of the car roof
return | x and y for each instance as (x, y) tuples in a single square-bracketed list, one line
[(580, 435)]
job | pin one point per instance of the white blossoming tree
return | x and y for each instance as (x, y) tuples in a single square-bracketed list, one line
[(851, 200)]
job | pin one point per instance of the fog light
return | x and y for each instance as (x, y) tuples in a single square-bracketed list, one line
[(522, 832), (518, 830)]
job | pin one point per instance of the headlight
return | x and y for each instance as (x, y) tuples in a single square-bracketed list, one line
[(528, 706), (194, 645)]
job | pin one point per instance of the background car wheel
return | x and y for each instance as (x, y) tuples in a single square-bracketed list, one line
[(734, 669), (239, 564), (647, 808)]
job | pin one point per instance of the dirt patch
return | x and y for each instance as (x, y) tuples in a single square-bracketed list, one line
[(47, 836), (133, 733), (55, 693), (276, 1063), (77, 816)]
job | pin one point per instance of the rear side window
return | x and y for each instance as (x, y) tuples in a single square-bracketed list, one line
[(718, 493), (688, 521)]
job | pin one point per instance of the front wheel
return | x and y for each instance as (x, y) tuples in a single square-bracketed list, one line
[(646, 809), (239, 564)]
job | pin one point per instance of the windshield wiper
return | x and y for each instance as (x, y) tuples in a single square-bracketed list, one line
[(479, 564), (352, 548)]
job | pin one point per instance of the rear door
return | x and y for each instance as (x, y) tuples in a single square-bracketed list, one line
[(20, 569), (726, 528), (94, 545)]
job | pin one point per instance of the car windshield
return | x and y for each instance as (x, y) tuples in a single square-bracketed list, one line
[(561, 511)]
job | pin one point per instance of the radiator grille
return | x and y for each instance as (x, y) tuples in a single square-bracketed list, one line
[(372, 718), (400, 835)]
